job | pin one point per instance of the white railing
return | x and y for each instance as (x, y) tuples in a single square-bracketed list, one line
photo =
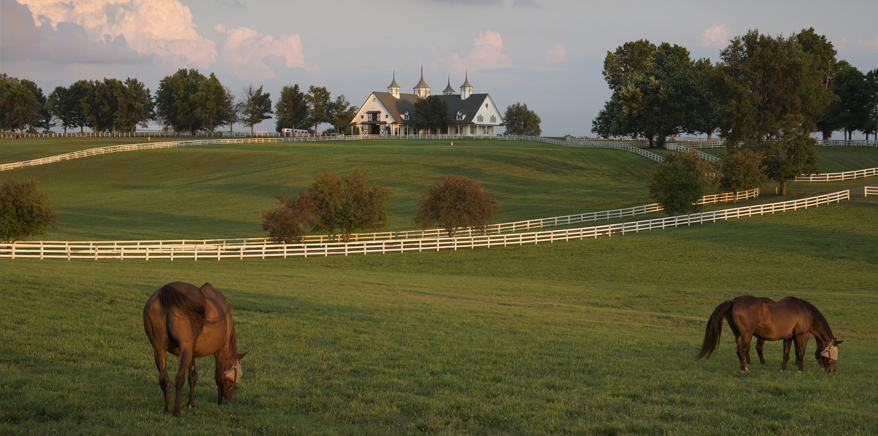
[(837, 177), (870, 190), (685, 149), (74, 250)]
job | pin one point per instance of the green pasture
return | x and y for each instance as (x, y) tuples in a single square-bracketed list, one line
[(17, 150), (586, 337), (221, 191), (583, 337)]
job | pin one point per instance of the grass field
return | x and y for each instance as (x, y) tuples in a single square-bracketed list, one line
[(585, 337)]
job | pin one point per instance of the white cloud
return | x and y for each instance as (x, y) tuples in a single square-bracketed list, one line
[(870, 43), (163, 28), (718, 36), (558, 53), (244, 50), (486, 55)]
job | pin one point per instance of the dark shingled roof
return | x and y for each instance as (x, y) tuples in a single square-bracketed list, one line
[(406, 103)]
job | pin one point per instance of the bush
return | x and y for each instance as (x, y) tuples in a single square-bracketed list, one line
[(456, 201), (676, 188), (24, 211), (331, 203)]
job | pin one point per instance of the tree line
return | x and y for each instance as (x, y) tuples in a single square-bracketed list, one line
[(762, 87), (186, 101)]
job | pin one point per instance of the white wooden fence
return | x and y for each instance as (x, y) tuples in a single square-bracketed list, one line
[(837, 177), (685, 149), (870, 190), (147, 251)]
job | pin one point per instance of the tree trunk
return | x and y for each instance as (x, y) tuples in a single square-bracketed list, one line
[(251, 130)]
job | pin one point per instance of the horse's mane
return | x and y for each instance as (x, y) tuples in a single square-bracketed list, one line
[(818, 316), (170, 298)]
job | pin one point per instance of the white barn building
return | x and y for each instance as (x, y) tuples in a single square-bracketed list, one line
[(393, 113)]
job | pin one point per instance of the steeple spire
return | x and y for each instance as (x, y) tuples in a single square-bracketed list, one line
[(422, 89), (393, 88), (448, 89), (466, 89)]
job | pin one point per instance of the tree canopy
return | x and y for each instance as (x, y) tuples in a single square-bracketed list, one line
[(431, 114), (454, 202), (256, 107), (291, 109), (676, 188), (519, 120)]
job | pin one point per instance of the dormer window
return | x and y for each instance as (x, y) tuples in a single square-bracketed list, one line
[(459, 116), (405, 116)]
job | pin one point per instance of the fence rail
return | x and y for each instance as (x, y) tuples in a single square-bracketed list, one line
[(146, 251), (870, 190), (837, 177)]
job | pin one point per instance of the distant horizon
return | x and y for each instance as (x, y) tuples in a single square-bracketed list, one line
[(544, 53)]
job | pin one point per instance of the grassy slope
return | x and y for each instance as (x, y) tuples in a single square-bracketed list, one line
[(221, 190), (16, 150), (592, 337)]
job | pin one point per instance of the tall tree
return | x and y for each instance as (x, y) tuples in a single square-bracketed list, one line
[(291, 109), (134, 105), (657, 92), (256, 108), (75, 96), (431, 114), (174, 100), (320, 102), (231, 112), (341, 113), (210, 103), (676, 188), (60, 105), (766, 80), (871, 125), (850, 112), (519, 120), (19, 106)]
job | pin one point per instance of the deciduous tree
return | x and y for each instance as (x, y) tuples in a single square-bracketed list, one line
[(320, 104), (519, 120), (741, 170), (347, 204), (286, 224), (24, 210), (19, 106), (431, 114), (174, 100), (454, 202), (210, 103), (790, 153)]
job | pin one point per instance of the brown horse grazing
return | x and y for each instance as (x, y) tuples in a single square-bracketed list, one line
[(790, 319), (190, 322)]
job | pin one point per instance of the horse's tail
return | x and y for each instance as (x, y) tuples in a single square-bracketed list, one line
[(714, 330), (171, 298)]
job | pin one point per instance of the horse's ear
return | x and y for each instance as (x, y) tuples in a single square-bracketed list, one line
[(838, 342), (241, 356)]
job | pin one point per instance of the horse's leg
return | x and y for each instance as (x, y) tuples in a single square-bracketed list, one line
[(786, 354), (743, 341), (185, 362), (193, 378), (160, 361), (801, 343), (760, 345)]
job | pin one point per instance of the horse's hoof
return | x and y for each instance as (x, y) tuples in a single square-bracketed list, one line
[(800, 372)]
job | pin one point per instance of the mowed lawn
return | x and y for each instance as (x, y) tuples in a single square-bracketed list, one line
[(584, 337)]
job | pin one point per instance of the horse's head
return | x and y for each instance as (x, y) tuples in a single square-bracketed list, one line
[(827, 355), (231, 378)]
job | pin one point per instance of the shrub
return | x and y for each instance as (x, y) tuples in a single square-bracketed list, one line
[(676, 188), (456, 201), (24, 211)]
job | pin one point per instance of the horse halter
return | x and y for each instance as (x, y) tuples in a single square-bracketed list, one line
[(234, 373), (831, 353)]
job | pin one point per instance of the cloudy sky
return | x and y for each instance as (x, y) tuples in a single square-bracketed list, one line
[(545, 53)]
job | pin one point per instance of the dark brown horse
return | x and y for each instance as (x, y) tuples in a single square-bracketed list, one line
[(790, 319), (190, 322)]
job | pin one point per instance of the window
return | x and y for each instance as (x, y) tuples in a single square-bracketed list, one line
[(481, 118), (493, 119), (405, 116), (362, 116), (386, 116), (486, 105), (459, 116)]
